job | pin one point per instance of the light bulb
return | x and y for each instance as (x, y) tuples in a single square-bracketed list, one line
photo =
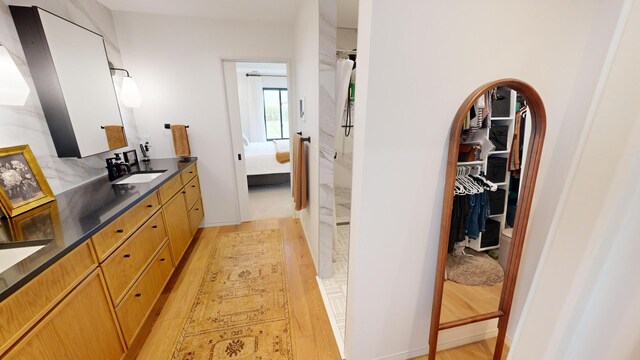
[(130, 94), (13, 89)]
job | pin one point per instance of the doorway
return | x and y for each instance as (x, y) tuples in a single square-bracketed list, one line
[(259, 120)]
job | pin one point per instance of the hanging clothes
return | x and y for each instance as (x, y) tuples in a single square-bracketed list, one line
[(475, 222), (514, 155), (459, 215)]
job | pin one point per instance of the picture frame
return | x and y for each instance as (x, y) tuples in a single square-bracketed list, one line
[(130, 157), (42, 223), (22, 184)]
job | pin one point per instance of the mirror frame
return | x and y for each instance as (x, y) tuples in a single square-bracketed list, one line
[(528, 181)]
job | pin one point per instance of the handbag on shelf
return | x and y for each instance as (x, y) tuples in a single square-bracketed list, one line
[(469, 152)]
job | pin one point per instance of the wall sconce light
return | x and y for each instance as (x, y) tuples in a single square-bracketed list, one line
[(13, 88), (129, 94)]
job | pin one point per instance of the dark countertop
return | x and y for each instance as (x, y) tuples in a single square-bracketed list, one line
[(72, 219)]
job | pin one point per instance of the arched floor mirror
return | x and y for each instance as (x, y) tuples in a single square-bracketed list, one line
[(494, 154)]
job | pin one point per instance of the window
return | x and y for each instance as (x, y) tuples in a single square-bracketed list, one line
[(276, 113)]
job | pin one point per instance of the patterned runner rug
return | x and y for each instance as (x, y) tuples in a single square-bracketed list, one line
[(241, 309)]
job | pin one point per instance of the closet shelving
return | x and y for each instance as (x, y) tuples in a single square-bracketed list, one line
[(484, 242)]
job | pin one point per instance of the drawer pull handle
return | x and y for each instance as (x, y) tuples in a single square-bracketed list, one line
[(138, 295), (119, 231), (193, 186), (190, 172), (127, 255), (149, 206), (184, 192), (197, 209), (155, 226), (161, 259)]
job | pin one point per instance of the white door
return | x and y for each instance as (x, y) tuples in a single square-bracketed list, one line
[(233, 106)]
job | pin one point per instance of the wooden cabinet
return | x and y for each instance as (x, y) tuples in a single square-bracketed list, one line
[(127, 263), (196, 214), (177, 220), (189, 173), (24, 308), (170, 188), (114, 234), (92, 303), (192, 192), (82, 326), (136, 305)]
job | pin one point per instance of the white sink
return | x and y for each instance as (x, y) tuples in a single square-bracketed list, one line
[(12, 256), (138, 178)]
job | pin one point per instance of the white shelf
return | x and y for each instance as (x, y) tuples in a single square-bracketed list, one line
[(507, 118), (501, 183), (496, 216), (499, 152)]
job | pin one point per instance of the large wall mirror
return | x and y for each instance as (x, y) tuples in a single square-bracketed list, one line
[(494, 153), (71, 73)]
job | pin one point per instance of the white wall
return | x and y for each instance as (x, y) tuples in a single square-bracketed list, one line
[(411, 81), (307, 80), (21, 125), (586, 303), (347, 39), (177, 64)]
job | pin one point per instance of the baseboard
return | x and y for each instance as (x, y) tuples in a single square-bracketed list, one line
[(332, 319), (219, 223), (452, 338)]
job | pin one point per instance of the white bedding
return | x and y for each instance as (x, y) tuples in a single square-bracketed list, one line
[(261, 158)]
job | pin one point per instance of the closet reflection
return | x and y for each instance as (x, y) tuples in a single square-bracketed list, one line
[(487, 185)]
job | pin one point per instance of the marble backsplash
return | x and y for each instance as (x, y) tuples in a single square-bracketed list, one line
[(26, 124)]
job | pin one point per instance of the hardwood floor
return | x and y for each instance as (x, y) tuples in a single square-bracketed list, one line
[(312, 334), (461, 301), (482, 350)]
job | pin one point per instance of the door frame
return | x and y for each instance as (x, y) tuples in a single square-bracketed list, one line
[(235, 126)]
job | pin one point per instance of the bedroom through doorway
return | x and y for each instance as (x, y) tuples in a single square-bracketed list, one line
[(258, 100)]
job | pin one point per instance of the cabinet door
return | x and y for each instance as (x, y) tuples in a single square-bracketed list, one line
[(196, 214), (176, 219), (82, 326)]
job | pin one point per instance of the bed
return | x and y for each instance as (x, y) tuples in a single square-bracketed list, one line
[(261, 164)]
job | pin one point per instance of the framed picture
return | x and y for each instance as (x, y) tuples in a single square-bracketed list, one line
[(130, 157), (22, 184), (42, 223)]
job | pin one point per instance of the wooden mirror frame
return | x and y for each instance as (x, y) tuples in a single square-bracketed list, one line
[(528, 181)]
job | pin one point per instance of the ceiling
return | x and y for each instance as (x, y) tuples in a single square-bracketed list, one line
[(264, 10), (262, 68)]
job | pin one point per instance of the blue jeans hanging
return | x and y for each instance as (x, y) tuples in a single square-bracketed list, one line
[(479, 205)]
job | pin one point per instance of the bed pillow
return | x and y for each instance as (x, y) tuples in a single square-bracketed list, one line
[(245, 141), (281, 145)]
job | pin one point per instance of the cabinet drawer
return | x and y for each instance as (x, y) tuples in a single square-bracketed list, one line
[(170, 188), (109, 238), (82, 326), (137, 304), (196, 214), (189, 173), (124, 266), (22, 309), (192, 192)]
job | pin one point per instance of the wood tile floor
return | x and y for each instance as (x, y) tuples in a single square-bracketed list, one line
[(482, 350), (312, 334)]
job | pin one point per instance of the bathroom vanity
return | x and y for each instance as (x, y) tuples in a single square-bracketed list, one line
[(88, 289)]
